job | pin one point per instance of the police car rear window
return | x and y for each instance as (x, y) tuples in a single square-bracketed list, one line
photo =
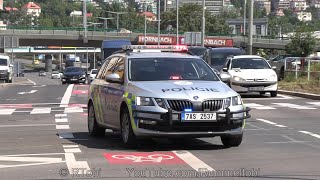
[(159, 69)]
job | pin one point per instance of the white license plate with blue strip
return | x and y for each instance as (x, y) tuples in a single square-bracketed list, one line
[(187, 116)]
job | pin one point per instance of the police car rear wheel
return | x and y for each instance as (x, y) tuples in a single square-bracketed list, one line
[(93, 127), (127, 134), (231, 140)]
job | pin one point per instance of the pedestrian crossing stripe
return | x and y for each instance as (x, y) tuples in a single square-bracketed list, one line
[(39, 111), (258, 106), (293, 106)]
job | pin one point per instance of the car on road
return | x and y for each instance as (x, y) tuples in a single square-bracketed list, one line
[(251, 73), (149, 91), (92, 74), (197, 50), (42, 73), (56, 75), (74, 75), (6, 72), (216, 57)]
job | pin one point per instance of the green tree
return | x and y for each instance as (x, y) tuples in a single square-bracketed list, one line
[(302, 43)]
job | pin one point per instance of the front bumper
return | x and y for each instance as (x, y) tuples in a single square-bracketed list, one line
[(74, 80), (170, 124), (254, 86), (4, 76)]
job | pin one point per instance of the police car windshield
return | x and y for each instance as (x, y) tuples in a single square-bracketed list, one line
[(249, 63), (3, 62), (161, 69)]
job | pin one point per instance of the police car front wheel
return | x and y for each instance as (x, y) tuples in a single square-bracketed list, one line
[(231, 140), (93, 127), (127, 134)]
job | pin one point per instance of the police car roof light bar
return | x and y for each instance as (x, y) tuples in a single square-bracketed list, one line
[(163, 48)]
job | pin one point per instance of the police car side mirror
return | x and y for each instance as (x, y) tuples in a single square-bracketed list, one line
[(115, 78), (225, 77), (225, 69)]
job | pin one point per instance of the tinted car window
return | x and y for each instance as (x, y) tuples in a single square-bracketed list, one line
[(249, 63), (3, 62), (197, 51), (219, 58), (157, 69), (74, 69)]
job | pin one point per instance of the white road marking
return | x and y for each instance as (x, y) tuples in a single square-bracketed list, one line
[(279, 125), (62, 120), (73, 109), (266, 121), (40, 86), (293, 106), (62, 127), (193, 161), (254, 126), (258, 106), (70, 146), (286, 97), (6, 111), (67, 95), (30, 159), (31, 92), (66, 135), (40, 111), (26, 125), (60, 115), (311, 134), (314, 103), (73, 164), (14, 155), (72, 150), (287, 137), (32, 82), (30, 164)]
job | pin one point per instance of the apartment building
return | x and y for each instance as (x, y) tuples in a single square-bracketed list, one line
[(260, 26)]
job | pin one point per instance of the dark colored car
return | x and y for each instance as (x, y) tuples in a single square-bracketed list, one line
[(216, 57), (197, 50), (73, 75)]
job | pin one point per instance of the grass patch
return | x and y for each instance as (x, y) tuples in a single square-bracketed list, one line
[(301, 84)]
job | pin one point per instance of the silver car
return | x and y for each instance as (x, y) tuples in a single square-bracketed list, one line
[(157, 93)]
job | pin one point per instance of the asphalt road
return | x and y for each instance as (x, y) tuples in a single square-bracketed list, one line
[(43, 135)]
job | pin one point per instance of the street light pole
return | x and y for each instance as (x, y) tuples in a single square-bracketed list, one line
[(244, 16), (203, 22), (85, 17), (177, 8), (158, 22), (250, 27), (145, 29)]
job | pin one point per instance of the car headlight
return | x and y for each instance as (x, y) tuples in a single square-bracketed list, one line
[(236, 78), (236, 100), (144, 101), (272, 78), (160, 103), (227, 103), (83, 75)]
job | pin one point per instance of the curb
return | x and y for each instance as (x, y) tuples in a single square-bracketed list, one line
[(300, 94)]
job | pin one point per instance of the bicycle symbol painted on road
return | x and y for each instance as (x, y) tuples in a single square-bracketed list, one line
[(157, 158), (142, 158)]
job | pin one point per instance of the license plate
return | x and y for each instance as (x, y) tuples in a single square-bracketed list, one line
[(73, 79), (256, 88), (198, 116)]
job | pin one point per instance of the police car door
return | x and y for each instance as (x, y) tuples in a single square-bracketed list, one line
[(114, 92)]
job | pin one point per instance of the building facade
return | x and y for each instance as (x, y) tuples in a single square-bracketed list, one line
[(298, 5), (263, 4), (260, 26)]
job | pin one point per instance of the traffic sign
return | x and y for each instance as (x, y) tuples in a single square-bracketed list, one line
[(143, 158)]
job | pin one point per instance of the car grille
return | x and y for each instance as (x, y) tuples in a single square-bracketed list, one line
[(212, 105), (3, 71), (180, 105)]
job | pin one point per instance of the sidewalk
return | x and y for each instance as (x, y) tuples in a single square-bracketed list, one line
[(17, 81), (300, 94)]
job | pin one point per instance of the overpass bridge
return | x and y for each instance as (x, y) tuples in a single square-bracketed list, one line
[(67, 37)]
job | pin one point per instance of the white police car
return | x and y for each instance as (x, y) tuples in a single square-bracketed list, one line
[(160, 91)]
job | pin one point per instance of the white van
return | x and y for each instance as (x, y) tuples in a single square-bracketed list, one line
[(5, 68)]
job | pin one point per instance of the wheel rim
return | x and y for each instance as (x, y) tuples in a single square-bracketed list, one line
[(91, 119), (125, 128)]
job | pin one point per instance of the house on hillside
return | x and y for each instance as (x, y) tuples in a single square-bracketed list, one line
[(149, 16), (32, 8)]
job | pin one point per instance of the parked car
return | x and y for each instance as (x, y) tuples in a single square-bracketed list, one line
[(197, 50), (92, 74)]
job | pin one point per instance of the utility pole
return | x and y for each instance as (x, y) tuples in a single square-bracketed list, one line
[(203, 28), (145, 29), (177, 8), (158, 22), (250, 27), (118, 15), (85, 18), (244, 16)]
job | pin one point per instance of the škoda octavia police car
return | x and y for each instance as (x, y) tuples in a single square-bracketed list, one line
[(161, 91)]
